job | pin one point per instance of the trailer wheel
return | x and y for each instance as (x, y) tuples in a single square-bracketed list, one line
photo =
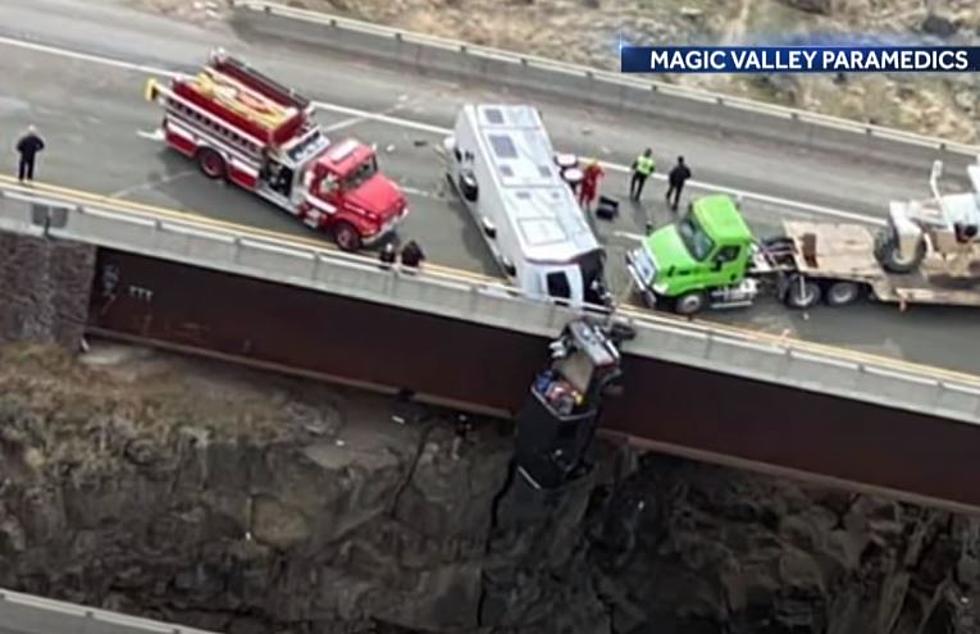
[(346, 236), (211, 163), (690, 303), (801, 293), (842, 293), (890, 255)]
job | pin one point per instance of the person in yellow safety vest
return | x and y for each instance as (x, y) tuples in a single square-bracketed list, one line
[(643, 166)]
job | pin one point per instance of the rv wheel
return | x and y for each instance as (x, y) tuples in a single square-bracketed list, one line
[(347, 237), (801, 293), (211, 163), (689, 303)]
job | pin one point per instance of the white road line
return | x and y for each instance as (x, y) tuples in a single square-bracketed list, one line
[(383, 118), (352, 121), (433, 129), (85, 57), (345, 123), (739, 193)]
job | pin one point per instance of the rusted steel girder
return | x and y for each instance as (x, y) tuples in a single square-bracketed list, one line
[(672, 406)]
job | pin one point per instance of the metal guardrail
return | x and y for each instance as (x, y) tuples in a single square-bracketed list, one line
[(243, 250), (28, 614), (580, 82)]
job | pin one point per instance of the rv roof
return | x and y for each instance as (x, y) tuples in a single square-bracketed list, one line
[(539, 203)]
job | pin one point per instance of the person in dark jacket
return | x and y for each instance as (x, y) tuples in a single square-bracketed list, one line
[(388, 255), (412, 254), (677, 177), (28, 146)]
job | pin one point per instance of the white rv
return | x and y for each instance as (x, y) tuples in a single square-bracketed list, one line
[(501, 162)]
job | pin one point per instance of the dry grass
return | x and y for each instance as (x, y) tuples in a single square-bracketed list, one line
[(57, 413)]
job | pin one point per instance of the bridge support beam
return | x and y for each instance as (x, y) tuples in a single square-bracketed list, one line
[(674, 407)]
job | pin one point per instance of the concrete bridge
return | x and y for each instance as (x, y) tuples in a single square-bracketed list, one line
[(27, 614), (84, 263)]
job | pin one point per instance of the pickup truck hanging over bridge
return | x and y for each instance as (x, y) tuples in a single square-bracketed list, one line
[(928, 253), (242, 126)]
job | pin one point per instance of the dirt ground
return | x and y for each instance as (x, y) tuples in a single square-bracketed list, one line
[(136, 393)]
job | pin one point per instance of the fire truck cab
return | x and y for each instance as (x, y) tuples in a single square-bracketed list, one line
[(242, 126)]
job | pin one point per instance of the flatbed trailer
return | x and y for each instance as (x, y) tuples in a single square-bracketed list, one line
[(837, 261)]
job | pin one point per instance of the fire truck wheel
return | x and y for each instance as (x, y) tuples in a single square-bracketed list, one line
[(212, 164), (347, 237)]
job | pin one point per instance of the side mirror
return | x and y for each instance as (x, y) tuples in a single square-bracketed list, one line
[(718, 264), (671, 270)]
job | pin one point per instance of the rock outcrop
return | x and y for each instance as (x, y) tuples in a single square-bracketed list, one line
[(716, 550), (45, 289), (247, 503)]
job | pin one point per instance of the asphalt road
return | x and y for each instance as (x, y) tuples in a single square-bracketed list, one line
[(91, 113)]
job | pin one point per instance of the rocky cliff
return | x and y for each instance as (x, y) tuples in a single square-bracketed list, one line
[(45, 287), (247, 503)]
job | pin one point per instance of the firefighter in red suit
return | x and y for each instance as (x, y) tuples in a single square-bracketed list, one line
[(590, 184)]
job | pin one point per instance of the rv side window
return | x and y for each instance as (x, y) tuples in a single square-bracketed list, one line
[(558, 285)]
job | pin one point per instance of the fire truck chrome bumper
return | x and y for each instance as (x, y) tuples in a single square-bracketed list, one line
[(385, 229)]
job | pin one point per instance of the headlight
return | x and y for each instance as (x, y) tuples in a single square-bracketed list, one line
[(659, 288)]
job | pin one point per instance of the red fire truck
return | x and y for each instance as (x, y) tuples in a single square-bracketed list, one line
[(240, 125)]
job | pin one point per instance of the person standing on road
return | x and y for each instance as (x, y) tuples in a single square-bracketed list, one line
[(590, 184), (387, 255), (412, 255), (676, 179), (28, 146), (643, 166)]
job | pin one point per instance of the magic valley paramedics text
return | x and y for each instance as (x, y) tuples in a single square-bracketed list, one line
[(730, 60)]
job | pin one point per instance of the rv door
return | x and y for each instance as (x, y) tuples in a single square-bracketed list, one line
[(564, 284)]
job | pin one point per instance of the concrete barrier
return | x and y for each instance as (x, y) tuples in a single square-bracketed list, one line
[(241, 250), (659, 100), (27, 614)]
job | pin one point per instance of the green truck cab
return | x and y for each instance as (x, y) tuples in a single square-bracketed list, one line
[(701, 260)]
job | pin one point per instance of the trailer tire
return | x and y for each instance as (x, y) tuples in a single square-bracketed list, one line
[(842, 293), (212, 164), (801, 293), (889, 254), (347, 237), (690, 303)]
